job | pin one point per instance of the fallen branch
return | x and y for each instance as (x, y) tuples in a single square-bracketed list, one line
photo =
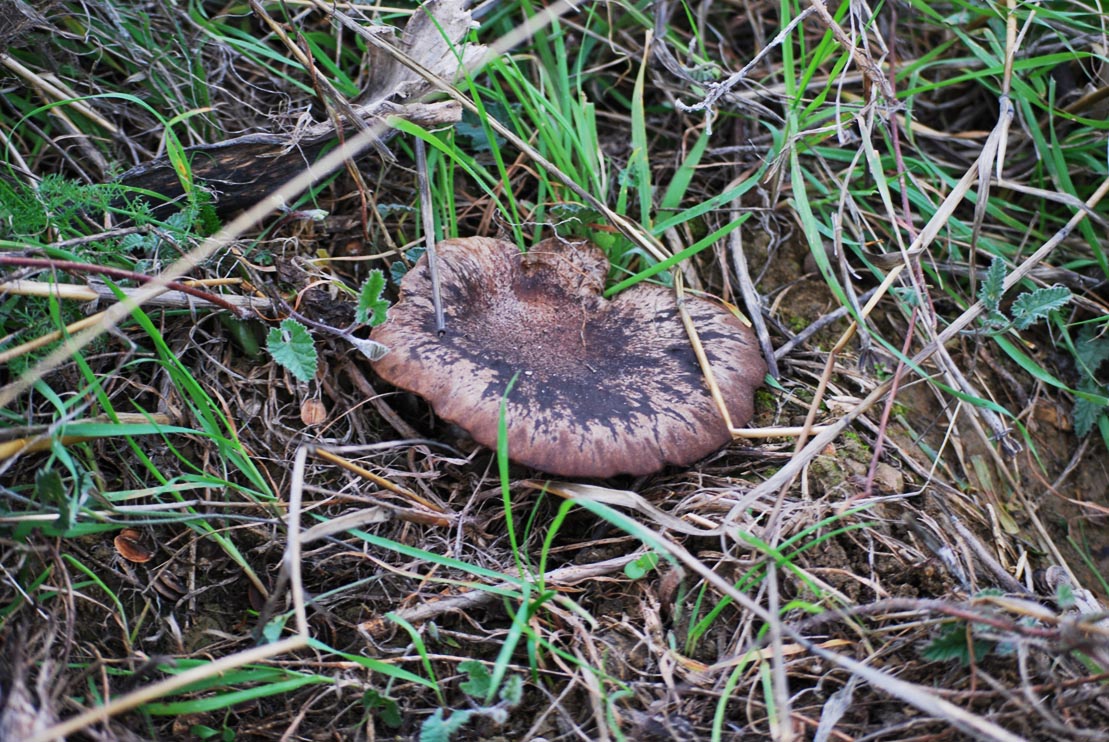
[(71, 266)]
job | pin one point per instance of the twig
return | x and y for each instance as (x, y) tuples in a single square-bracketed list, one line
[(428, 219), (1006, 580), (751, 297), (291, 561), (67, 96), (787, 347), (70, 266), (880, 438), (718, 90), (869, 67), (38, 437), (95, 291), (562, 577), (379, 481), (354, 373)]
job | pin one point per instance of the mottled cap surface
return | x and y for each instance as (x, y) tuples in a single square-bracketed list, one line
[(605, 387)]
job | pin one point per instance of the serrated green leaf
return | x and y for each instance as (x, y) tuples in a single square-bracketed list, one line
[(139, 243), (437, 729), (993, 285), (513, 690), (479, 678), (1091, 349), (951, 644), (1033, 306), (291, 346), (996, 321), (1086, 411), (372, 308)]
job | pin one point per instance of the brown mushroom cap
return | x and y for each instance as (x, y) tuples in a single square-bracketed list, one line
[(605, 387)]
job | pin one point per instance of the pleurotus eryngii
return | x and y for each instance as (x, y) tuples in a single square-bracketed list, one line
[(604, 386)]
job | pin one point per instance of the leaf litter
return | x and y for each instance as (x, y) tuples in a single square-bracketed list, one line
[(416, 528)]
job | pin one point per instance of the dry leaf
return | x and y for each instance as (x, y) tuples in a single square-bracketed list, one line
[(313, 412), (129, 544), (433, 39)]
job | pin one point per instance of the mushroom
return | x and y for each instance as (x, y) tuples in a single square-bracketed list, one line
[(603, 387)]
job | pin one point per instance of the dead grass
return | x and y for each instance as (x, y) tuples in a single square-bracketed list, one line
[(926, 561)]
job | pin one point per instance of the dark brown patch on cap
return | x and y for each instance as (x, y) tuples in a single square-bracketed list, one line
[(605, 387)]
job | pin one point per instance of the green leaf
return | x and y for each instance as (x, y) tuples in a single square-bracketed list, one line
[(951, 644), (1033, 306), (640, 567), (1086, 411), (292, 347), (273, 629), (399, 267), (1092, 349), (49, 489), (437, 729), (480, 679), (906, 295), (471, 128), (387, 709), (993, 285), (513, 691), (372, 308), (1064, 596)]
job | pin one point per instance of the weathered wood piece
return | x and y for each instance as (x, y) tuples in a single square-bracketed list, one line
[(239, 171)]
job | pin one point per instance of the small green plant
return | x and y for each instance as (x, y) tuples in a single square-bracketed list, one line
[(441, 728), (399, 267), (373, 309), (1029, 307), (955, 643), (55, 203), (1091, 351), (204, 732), (382, 707), (291, 346), (962, 640)]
